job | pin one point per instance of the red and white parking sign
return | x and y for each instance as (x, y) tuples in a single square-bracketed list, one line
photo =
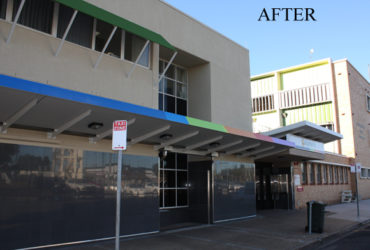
[(119, 135)]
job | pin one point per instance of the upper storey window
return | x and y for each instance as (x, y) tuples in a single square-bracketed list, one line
[(35, 14), (102, 33), (133, 46), (2, 9), (173, 89), (368, 102), (54, 18), (81, 30)]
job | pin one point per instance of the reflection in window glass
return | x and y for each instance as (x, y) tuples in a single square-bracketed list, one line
[(331, 175), (35, 14), (2, 9), (102, 33), (81, 29), (133, 46)]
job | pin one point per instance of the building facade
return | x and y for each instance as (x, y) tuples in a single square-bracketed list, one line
[(331, 94), (68, 69)]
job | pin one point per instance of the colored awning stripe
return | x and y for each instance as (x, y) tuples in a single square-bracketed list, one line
[(71, 95), (115, 20)]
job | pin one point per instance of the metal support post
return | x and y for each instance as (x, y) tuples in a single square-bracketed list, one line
[(15, 20), (358, 202), (138, 58), (118, 201), (66, 32), (168, 65), (310, 218), (105, 46)]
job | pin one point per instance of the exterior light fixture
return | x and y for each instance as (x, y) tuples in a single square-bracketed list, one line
[(95, 125), (214, 144), (165, 137)]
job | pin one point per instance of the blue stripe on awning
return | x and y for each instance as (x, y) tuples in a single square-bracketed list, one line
[(47, 90)]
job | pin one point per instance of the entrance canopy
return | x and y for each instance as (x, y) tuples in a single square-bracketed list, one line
[(30, 105), (309, 139)]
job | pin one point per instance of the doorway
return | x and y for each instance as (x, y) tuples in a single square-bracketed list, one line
[(273, 187)]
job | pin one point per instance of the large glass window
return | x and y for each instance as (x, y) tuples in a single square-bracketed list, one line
[(331, 175), (36, 14), (133, 46), (312, 173), (3, 8), (318, 174), (364, 172), (340, 169), (102, 33), (174, 181), (173, 88), (325, 174), (304, 172), (336, 179), (345, 175), (81, 30), (59, 195)]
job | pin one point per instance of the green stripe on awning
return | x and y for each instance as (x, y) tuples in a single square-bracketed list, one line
[(115, 20)]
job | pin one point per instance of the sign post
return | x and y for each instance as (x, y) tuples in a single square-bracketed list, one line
[(357, 167), (119, 142)]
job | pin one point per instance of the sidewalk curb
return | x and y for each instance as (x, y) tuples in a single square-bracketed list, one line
[(328, 239)]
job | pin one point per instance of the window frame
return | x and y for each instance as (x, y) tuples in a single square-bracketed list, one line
[(325, 174), (176, 188), (312, 174), (318, 173), (304, 173), (175, 86)]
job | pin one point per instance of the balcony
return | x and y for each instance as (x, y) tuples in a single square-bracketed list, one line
[(305, 96)]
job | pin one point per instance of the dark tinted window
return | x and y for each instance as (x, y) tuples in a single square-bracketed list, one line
[(2, 9), (133, 46), (103, 31), (35, 14), (82, 27)]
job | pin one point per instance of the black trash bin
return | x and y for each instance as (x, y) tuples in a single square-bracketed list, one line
[(318, 216)]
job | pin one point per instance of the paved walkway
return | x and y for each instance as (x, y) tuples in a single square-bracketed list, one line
[(278, 229)]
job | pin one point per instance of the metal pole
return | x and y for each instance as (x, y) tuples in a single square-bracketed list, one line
[(15, 21), (118, 202), (310, 218), (358, 204), (66, 32)]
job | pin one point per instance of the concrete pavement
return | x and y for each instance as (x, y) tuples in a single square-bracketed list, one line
[(273, 229)]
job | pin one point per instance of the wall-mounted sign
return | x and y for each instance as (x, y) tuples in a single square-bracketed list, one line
[(119, 140), (303, 142), (300, 189), (358, 166), (297, 180)]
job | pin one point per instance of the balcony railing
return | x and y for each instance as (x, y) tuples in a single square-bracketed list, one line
[(305, 96), (293, 98)]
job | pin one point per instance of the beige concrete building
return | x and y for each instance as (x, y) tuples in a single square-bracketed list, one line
[(332, 94), (68, 70)]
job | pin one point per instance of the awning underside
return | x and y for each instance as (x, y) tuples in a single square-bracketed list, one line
[(32, 110)]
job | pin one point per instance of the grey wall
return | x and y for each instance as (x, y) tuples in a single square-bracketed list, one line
[(234, 190)]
